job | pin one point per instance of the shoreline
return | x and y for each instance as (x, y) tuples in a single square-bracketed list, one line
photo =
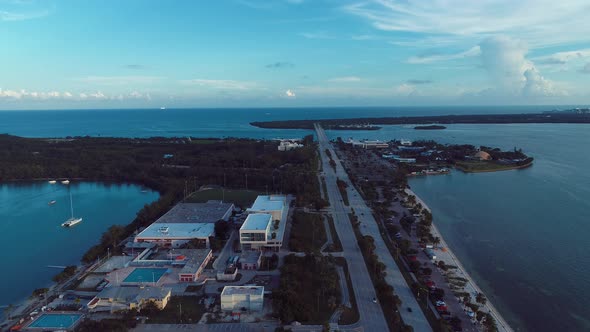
[(470, 286), (495, 170)]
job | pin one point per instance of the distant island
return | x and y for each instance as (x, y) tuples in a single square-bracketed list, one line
[(568, 116), (431, 127)]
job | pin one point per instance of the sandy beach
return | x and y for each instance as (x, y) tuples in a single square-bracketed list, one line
[(471, 287)]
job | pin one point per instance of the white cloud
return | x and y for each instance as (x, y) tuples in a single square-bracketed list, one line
[(474, 51), (21, 16), (511, 72), (562, 59), (290, 93), (345, 79), (66, 95), (221, 84), (538, 22)]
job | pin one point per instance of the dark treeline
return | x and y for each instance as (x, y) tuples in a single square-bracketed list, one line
[(439, 119), (169, 165)]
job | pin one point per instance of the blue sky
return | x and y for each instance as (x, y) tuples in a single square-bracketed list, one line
[(244, 53)]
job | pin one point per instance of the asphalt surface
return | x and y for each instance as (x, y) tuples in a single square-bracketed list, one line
[(371, 315), (371, 318)]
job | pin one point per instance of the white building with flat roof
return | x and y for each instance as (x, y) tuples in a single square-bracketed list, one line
[(271, 204), (237, 298), (255, 231), (173, 235)]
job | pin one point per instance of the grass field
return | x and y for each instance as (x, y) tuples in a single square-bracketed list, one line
[(180, 310), (242, 198)]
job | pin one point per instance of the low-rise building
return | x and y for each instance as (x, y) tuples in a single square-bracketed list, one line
[(271, 204), (255, 231), (173, 235), (120, 298), (238, 298), (287, 144), (250, 260)]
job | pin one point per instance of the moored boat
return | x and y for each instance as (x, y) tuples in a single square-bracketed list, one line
[(65, 182), (72, 221), (52, 182)]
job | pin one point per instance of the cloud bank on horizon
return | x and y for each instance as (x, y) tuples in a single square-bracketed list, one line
[(234, 53)]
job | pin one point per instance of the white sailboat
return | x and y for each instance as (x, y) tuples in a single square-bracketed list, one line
[(72, 221), (52, 181), (65, 182)]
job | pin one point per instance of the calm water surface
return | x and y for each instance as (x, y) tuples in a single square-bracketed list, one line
[(522, 234), (34, 239)]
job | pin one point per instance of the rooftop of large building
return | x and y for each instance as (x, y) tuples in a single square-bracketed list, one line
[(132, 294), (269, 203), (209, 212), (178, 230), (242, 290), (256, 222)]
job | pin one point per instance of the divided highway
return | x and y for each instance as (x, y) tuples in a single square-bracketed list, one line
[(371, 315)]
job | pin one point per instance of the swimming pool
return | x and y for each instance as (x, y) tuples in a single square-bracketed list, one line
[(61, 320), (146, 275)]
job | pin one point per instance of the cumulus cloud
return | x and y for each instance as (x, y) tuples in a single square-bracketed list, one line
[(66, 95), (290, 93), (345, 79), (511, 72)]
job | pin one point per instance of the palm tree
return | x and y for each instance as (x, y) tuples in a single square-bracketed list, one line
[(436, 241)]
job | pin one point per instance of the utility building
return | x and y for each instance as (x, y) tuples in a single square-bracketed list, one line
[(238, 298)]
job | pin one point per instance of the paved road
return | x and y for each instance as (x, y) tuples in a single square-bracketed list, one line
[(371, 315), (369, 226), (225, 327)]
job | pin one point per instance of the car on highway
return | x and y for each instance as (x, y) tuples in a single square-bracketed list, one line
[(409, 309), (374, 300)]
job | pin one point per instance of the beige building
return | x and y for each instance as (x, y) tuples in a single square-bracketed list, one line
[(238, 298), (121, 298)]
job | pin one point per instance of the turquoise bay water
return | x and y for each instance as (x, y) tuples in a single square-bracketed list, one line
[(522, 234), (34, 239)]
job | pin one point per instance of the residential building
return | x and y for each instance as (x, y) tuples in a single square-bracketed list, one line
[(238, 298)]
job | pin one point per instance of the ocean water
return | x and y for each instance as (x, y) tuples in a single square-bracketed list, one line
[(204, 122), (521, 234), (33, 238)]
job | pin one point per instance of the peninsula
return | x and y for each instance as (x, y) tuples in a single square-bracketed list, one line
[(548, 117)]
